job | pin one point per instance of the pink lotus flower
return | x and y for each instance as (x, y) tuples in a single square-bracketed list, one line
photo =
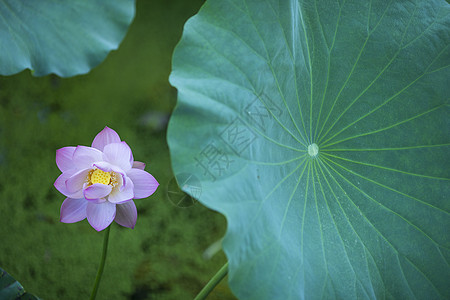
[(100, 182)]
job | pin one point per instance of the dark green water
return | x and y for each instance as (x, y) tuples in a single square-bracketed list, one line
[(129, 92)]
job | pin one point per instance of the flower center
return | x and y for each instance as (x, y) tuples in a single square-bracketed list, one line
[(313, 149), (99, 176)]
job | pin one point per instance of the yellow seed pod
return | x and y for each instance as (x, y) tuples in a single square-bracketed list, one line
[(99, 176)]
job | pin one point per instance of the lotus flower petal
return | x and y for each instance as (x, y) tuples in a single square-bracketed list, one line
[(144, 183), (138, 165), (105, 137), (122, 195), (85, 157), (73, 210), (60, 185), (100, 215), (119, 154), (64, 158), (126, 214), (97, 191), (76, 182)]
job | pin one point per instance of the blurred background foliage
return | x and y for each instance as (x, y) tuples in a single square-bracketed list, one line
[(129, 92)]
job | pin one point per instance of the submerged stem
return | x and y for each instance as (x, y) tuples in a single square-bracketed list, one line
[(213, 282), (102, 264)]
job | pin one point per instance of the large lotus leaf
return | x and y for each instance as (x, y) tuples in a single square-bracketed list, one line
[(320, 129), (10, 289), (62, 37)]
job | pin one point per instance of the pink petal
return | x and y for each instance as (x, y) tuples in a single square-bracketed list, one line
[(107, 167), (85, 157), (144, 183), (64, 158), (104, 166), (126, 214), (97, 201), (105, 137), (119, 195), (119, 154), (73, 210), (75, 182), (138, 165), (97, 191), (60, 185), (100, 215)]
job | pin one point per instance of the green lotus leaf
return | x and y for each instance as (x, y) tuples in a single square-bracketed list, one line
[(10, 289), (62, 37), (320, 129)]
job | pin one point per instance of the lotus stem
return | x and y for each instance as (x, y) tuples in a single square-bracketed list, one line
[(207, 289), (102, 263)]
